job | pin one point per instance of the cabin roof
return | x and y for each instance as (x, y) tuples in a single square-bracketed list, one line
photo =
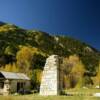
[(12, 75)]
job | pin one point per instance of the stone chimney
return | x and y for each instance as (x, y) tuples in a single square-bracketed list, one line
[(50, 82)]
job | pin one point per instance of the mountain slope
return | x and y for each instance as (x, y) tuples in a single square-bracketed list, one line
[(11, 37)]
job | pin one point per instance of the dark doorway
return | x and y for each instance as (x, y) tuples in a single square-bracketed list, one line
[(18, 86), (1, 85)]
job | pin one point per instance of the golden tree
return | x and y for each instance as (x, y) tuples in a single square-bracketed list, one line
[(10, 68), (78, 71), (96, 79), (24, 59), (72, 69)]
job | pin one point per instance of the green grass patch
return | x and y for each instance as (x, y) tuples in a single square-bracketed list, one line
[(37, 97), (83, 90), (62, 97)]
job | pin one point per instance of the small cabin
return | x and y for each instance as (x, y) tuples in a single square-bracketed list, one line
[(11, 82)]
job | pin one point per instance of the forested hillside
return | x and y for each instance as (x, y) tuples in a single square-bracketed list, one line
[(26, 51)]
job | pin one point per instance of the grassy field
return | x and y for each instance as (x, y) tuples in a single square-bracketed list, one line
[(85, 96), (86, 92), (37, 97)]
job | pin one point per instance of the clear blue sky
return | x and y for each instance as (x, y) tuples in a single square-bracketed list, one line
[(76, 18)]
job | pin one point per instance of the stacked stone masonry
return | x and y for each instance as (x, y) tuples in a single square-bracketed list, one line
[(50, 77)]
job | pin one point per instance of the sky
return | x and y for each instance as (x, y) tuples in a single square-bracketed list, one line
[(79, 19)]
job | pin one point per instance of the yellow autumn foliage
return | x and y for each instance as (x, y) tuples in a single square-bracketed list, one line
[(96, 79), (10, 68)]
